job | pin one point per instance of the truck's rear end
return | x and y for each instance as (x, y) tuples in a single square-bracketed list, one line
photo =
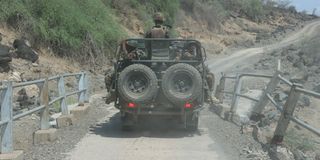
[(159, 77)]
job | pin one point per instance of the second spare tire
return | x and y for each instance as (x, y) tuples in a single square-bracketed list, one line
[(138, 83), (181, 83)]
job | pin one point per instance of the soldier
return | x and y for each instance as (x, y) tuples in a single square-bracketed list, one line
[(210, 80), (109, 80), (159, 30)]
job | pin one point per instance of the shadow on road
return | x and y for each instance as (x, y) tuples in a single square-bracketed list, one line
[(154, 127)]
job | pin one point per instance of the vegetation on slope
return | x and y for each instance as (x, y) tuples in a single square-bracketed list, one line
[(73, 26)]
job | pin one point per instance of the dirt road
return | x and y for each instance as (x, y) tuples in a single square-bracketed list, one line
[(216, 139), (241, 57)]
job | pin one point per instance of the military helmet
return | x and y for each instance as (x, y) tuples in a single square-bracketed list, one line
[(158, 17)]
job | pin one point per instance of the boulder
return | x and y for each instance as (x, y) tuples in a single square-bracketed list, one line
[(280, 153), (300, 77), (304, 101), (317, 88), (23, 98), (24, 51), (5, 58), (317, 157), (299, 155), (280, 97)]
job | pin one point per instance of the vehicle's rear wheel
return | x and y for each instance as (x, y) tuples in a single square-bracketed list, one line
[(181, 83), (137, 83)]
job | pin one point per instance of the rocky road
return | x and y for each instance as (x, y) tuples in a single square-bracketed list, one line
[(160, 139)]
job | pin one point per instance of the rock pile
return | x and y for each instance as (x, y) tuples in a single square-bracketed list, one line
[(21, 49), (5, 57)]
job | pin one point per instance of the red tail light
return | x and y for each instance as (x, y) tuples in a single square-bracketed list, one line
[(188, 105), (131, 105)]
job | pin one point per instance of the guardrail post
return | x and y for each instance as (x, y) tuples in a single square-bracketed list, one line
[(86, 85), (235, 98), (220, 89), (44, 100), (81, 83), (259, 107), (62, 93), (6, 116), (285, 116)]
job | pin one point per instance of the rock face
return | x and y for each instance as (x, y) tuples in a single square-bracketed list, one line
[(5, 58), (24, 51), (317, 156), (280, 153), (23, 98), (317, 88)]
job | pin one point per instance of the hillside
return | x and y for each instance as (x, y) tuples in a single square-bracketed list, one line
[(86, 32)]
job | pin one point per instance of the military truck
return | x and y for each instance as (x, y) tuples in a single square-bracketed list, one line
[(159, 77)]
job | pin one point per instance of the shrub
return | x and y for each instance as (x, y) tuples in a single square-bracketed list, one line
[(65, 24), (254, 9)]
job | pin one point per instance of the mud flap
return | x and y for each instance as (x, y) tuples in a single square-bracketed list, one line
[(128, 121), (191, 120)]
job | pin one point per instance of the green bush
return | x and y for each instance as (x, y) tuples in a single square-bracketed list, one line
[(253, 8), (66, 23)]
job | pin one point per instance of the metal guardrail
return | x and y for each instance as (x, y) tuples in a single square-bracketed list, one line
[(286, 111), (6, 102)]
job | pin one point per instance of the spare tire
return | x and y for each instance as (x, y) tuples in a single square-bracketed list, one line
[(181, 83), (137, 83)]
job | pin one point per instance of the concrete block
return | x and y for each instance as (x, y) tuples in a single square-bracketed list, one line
[(221, 109), (227, 116), (15, 155), (80, 111), (65, 121), (44, 136)]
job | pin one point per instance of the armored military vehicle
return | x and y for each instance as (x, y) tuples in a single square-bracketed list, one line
[(159, 77)]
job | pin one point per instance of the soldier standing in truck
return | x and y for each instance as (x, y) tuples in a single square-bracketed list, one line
[(159, 30)]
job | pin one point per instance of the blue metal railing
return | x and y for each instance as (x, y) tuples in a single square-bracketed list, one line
[(6, 102)]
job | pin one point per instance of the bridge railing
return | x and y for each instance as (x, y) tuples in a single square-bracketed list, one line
[(6, 101), (287, 110)]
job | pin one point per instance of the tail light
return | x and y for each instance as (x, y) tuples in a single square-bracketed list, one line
[(131, 105), (188, 105)]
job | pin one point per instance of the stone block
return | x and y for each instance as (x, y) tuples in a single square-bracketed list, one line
[(44, 136), (15, 155), (80, 111), (65, 121), (221, 109)]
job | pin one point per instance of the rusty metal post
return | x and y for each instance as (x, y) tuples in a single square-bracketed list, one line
[(6, 116), (284, 120), (220, 89), (62, 93), (259, 107), (86, 86), (44, 101), (235, 98), (81, 83)]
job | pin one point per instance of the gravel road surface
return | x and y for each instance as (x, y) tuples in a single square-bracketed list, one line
[(160, 139)]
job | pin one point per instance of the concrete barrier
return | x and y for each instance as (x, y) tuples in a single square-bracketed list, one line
[(65, 121), (80, 111), (15, 155), (44, 136)]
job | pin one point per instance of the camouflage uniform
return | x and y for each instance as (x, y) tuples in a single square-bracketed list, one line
[(159, 30), (109, 82), (210, 80)]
